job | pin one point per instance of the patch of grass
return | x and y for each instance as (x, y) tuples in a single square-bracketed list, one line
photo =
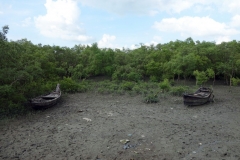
[(151, 98)]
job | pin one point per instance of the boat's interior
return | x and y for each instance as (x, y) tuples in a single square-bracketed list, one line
[(50, 96), (202, 94)]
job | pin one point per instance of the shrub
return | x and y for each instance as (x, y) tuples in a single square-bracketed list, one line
[(154, 79), (107, 87), (71, 86), (11, 105), (201, 77), (178, 90), (114, 87), (103, 90), (120, 92), (151, 98), (134, 76), (235, 81), (83, 87), (128, 86), (136, 89), (165, 85), (127, 73)]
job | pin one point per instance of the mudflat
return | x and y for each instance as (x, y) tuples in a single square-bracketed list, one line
[(106, 127)]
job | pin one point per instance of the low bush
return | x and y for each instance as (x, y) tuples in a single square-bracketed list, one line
[(165, 85), (151, 98), (235, 81), (128, 86), (136, 89), (70, 86), (178, 90)]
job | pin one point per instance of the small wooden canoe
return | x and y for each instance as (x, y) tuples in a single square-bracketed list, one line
[(48, 100), (201, 96)]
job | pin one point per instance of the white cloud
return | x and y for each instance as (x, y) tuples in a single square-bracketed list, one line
[(152, 7), (153, 13), (134, 46), (106, 41), (60, 21), (151, 43), (203, 8), (221, 39), (231, 6), (26, 22), (195, 27), (235, 21)]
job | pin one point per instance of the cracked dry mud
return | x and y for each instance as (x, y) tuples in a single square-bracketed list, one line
[(90, 126)]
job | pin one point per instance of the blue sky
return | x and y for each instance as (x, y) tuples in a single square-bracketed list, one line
[(118, 24)]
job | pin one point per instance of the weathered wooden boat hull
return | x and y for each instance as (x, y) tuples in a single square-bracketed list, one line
[(46, 101), (195, 101), (39, 103), (200, 97)]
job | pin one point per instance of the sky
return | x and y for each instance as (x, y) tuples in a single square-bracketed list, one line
[(120, 23)]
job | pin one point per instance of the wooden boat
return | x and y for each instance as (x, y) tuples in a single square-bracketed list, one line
[(201, 96), (48, 100)]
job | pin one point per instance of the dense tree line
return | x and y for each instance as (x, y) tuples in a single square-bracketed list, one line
[(27, 70)]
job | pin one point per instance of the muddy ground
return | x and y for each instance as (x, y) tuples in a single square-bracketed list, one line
[(91, 126)]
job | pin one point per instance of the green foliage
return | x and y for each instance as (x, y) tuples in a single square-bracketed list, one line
[(151, 98), (154, 79), (28, 70), (235, 81), (201, 77), (150, 91), (70, 86), (126, 73), (210, 73), (128, 86), (4, 32), (154, 69), (107, 87), (6, 91), (178, 90), (137, 89), (122, 87), (134, 76), (165, 85), (11, 101)]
